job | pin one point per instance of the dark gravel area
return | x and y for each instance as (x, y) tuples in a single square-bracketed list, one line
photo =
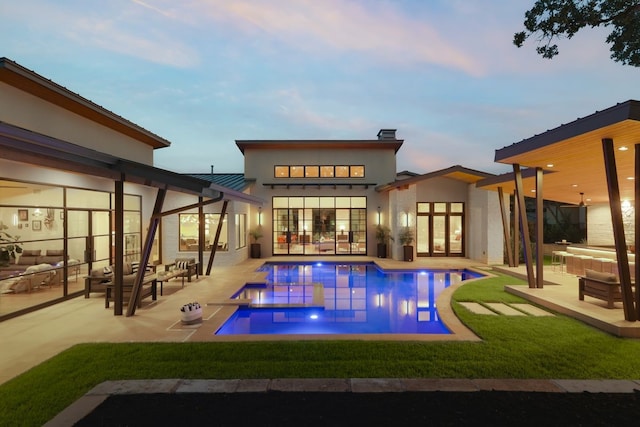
[(495, 408)]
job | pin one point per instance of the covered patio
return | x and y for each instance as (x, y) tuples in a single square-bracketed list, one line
[(597, 157), (560, 294)]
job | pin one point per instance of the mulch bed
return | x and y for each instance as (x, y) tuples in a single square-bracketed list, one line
[(373, 409)]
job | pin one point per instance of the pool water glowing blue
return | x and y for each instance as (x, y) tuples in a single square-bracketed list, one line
[(342, 298)]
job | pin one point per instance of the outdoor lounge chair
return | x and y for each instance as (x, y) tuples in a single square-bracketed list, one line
[(602, 286), (182, 267)]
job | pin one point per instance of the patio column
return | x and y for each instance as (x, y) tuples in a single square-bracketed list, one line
[(516, 221), (146, 251), (524, 226), (215, 241), (539, 230), (505, 228), (118, 292), (201, 234), (636, 238), (618, 229)]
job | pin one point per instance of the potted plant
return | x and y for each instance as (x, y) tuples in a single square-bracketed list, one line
[(406, 238), (9, 248), (256, 234), (383, 235)]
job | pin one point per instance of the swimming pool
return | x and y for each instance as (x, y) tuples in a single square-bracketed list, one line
[(342, 298)]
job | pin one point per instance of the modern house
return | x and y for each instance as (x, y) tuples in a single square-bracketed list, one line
[(79, 192)]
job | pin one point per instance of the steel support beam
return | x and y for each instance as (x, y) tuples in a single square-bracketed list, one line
[(524, 227), (154, 222), (218, 231), (201, 235), (118, 291), (505, 228), (636, 237), (618, 229), (516, 221), (539, 230)]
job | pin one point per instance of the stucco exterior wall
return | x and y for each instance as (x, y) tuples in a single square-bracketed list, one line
[(260, 163), (29, 112), (485, 242), (403, 211)]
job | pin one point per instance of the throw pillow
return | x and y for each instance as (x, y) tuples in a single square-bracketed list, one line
[(598, 275)]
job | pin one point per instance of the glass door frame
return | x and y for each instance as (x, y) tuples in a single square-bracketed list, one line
[(427, 209)]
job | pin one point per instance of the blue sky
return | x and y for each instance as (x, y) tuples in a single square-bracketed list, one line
[(203, 73)]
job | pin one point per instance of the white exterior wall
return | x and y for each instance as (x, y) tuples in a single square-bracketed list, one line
[(404, 203), (379, 166), (599, 226), (485, 237), (29, 112)]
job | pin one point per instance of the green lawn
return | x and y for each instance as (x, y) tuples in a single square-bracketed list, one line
[(512, 347)]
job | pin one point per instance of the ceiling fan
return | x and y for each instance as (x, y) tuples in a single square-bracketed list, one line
[(579, 205)]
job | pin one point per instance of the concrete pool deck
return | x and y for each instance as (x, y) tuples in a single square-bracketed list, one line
[(35, 337)]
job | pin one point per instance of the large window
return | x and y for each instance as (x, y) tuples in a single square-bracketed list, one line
[(319, 225), (319, 171), (189, 235)]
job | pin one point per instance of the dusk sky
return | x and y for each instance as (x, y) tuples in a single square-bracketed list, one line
[(203, 73)]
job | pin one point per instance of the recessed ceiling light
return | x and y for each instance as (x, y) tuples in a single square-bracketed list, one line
[(574, 185), (631, 178), (549, 165), (623, 148), (533, 191)]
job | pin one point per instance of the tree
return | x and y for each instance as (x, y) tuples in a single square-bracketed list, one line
[(554, 19)]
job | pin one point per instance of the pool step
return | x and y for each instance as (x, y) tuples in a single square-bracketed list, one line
[(317, 301)]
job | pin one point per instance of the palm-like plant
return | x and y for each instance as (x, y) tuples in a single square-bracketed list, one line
[(9, 248)]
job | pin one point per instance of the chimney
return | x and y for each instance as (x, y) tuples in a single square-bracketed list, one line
[(386, 134)]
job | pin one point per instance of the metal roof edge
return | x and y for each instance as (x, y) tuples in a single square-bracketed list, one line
[(16, 69), (439, 173), (628, 110)]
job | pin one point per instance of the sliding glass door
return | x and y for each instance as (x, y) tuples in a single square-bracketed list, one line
[(319, 225)]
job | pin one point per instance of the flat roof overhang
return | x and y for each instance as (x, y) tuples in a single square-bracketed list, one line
[(320, 144), (25, 146), (575, 151)]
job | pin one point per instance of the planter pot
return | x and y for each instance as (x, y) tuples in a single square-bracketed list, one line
[(382, 250), (255, 250), (191, 314), (408, 253)]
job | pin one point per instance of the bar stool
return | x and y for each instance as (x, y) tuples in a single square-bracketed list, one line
[(557, 259)]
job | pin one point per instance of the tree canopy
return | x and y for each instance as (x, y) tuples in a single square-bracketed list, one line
[(553, 19)]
